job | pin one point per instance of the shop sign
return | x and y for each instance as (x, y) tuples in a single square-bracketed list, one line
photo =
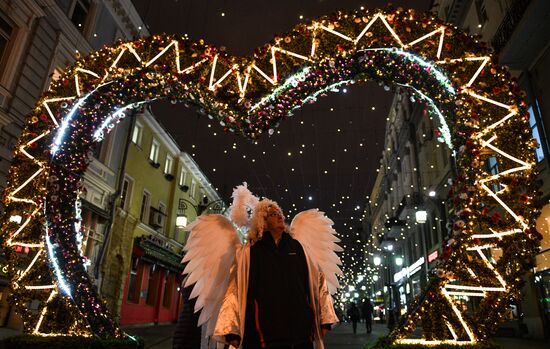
[(433, 256), (408, 271)]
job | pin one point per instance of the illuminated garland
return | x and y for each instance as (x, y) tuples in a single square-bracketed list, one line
[(449, 70)]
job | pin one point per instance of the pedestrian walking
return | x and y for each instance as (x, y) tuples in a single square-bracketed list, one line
[(354, 316), (367, 310)]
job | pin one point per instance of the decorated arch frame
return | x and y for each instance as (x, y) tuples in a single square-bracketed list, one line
[(477, 106)]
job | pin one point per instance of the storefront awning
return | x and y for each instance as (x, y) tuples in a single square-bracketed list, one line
[(159, 255)]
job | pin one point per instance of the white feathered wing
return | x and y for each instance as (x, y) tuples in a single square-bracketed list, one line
[(314, 231), (210, 253)]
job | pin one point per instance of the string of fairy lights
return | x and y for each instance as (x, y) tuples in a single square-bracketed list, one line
[(449, 71)]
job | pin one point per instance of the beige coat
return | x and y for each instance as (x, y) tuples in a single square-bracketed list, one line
[(231, 318)]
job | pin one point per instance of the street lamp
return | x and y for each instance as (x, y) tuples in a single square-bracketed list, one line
[(181, 220), (421, 216), (377, 260), (399, 261)]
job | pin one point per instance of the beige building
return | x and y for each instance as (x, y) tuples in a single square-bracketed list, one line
[(162, 190)]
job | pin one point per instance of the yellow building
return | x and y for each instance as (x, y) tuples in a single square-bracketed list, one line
[(162, 190)]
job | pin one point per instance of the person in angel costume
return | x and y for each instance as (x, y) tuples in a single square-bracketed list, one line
[(274, 291)]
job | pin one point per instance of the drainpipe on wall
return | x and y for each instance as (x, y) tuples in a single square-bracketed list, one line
[(116, 194)]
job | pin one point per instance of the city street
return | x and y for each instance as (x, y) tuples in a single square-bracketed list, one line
[(342, 337)]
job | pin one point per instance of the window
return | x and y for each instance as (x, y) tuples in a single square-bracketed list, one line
[(536, 134), (79, 13), (145, 207), (134, 282), (5, 32), (168, 164), (168, 287), (154, 153), (137, 133), (193, 188), (183, 176), (126, 193), (492, 167)]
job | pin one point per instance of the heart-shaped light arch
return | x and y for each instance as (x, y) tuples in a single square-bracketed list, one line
[(473, 99)]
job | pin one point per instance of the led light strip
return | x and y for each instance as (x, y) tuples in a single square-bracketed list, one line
[(345, 37), (29, 267), (451, 330), (495, 234), (459, 315), (512, 213), (51, 100), (490, 266), (471, 294), (475, 288), (43, 313), (22, 148), (173, 43), (432, 342)]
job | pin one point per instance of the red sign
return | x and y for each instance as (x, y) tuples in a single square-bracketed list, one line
[(433, 256)]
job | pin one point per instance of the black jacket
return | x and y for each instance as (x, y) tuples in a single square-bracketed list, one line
[(278, 308), (187, 335)]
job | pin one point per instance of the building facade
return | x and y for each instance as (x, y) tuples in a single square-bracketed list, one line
[(406, 207), (38, 39), (162, 190)]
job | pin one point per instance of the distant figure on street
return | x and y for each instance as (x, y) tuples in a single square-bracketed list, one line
[(354, 316), (391, 318), (367, 311)]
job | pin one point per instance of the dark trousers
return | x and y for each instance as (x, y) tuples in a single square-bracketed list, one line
[(354, 324), (368, 323)]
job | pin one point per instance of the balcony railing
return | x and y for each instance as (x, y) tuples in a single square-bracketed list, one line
[(509, 23)]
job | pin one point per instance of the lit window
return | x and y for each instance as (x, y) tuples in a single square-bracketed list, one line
[(168, 164), (137, 134), (536, 134), (154, 153)]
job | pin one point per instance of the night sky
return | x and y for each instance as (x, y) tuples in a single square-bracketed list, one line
[(324, 156)]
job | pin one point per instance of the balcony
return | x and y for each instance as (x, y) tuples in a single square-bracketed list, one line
[(523, 35), (509, 23)]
